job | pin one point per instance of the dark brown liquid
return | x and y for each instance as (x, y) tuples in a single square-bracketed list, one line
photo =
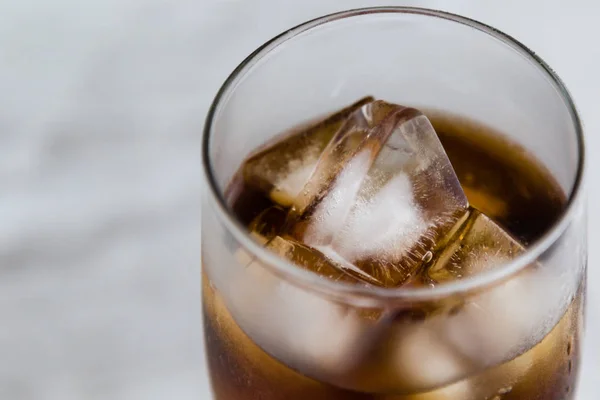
[(501, 180)]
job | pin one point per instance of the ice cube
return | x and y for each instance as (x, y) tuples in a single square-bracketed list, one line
[(479, 245), (265, 229), (283, 167), (308, 258), (299, 327), (425, 360), (503, 321), (388, 200), (338, 151)]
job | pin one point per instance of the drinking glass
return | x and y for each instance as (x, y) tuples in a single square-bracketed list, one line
[(276, 331)]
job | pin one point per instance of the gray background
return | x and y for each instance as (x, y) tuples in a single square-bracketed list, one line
[(101, 108)]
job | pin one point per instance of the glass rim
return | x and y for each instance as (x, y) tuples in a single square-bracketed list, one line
[(313, 282)]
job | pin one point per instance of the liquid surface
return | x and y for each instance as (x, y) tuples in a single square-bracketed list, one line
[(498, 177)]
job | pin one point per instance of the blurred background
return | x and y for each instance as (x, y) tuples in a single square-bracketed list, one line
[(101, 111)]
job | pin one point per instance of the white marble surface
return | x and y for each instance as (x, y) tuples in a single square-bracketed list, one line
[(101, 108)]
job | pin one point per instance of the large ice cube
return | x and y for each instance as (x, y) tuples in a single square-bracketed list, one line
[(303, 329), (387, 202), (424, 360), (265, 229), (503, 320), (478, 245), (339, 151), (308, 258), (283, 167)]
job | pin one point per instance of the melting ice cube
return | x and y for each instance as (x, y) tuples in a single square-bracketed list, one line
[(388, 200), (478, 245), (282, 168), (303, 329), (308, 258), (338, 152)]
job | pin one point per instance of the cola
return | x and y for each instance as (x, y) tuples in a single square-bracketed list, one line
[(269, 339)]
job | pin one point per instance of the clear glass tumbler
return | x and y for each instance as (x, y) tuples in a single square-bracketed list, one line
[(275, 331)]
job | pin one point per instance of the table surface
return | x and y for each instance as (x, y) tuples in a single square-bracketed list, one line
[(102, 103)]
